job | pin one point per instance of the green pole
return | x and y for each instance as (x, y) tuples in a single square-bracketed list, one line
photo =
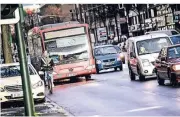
[(26, 83)]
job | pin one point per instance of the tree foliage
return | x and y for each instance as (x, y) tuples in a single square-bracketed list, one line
[(52, 10)]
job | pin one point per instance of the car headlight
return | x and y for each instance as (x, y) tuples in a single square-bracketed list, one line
[(1, 89), (38, 84), (98, 61), (121, 55), (118, 59), (146, 62), (176, 67)]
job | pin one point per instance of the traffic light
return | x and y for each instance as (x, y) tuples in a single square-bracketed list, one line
[(7, 11)]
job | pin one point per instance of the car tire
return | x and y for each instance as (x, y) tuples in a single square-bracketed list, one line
[(41, 101), (141, 77), (97, 70), (121, 68), (173, 80), (160, 81), (131, 74)]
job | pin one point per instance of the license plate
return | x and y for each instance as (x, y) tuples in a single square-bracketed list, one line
[(14, 95), (109, 63), (71, 75)]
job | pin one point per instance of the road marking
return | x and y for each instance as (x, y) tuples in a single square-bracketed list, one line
[(144, 109)]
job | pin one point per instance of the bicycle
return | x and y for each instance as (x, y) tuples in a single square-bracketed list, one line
[(48, 81)]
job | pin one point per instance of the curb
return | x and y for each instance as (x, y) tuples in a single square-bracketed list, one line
[(61, 109)]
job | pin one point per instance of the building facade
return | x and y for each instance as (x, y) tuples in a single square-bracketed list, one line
[(128, 19)]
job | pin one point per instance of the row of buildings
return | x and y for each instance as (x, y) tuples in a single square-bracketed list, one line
[(116, 19), (128, 19)]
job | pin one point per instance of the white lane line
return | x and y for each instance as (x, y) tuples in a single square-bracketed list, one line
[(144, 109)]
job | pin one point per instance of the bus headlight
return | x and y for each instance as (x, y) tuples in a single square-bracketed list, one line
[(145, 62), (98, 61), (90, 67), (38, 84)]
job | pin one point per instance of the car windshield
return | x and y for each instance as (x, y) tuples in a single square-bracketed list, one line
[(150, 46), (13, 71), (175, 39), (105, 50), (174, 52)]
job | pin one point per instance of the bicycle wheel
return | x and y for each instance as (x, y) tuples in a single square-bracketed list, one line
[(50, 86)]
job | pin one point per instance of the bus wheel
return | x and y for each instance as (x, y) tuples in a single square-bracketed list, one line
[(88, 77), (73, 79)]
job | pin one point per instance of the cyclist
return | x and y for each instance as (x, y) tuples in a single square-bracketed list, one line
[(47, 64)]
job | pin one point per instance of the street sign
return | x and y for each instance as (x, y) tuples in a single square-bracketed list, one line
[(102, 34), (11, 20)]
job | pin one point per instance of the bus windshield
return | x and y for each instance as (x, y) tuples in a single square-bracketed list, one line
[(68, 49)]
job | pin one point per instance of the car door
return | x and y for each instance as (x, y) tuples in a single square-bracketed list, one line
[(133, 59), (164, 65), (159, 63)]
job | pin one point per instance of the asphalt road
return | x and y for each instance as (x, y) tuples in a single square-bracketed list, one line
[(113, 94)]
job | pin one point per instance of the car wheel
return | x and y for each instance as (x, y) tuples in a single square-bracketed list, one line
[(160, 81), (42, 100), (121, 68), (173, 80), (132, 75), (141, 77), (88, 77)]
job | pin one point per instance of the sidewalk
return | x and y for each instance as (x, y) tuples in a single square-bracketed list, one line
[(46, 109)]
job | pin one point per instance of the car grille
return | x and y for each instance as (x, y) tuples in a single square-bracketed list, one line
[(109, 60), (14, 88)]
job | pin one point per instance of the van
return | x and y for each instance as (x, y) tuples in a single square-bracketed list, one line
[(142, 53), (167, 32)]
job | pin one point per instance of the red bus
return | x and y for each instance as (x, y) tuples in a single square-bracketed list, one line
[(69, 45)]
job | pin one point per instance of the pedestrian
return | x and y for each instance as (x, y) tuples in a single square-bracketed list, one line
[(48, 64)]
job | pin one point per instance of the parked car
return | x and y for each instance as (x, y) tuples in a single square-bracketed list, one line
[(142, 53), (11, 84), (168, 65), (167, 32), (175, 39), (107, 56)]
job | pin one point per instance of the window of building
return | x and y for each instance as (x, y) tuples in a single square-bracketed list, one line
[(149, 11), (155, 12), (152, 13)]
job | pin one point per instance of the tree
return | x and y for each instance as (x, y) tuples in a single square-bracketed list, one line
[(6, 44), (52, 10), (51, 13)]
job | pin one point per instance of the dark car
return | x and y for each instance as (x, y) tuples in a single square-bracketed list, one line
[(175, 39), (107, 56), (168, 65)]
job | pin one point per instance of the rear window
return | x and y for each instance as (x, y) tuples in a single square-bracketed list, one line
[(13, 71)]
